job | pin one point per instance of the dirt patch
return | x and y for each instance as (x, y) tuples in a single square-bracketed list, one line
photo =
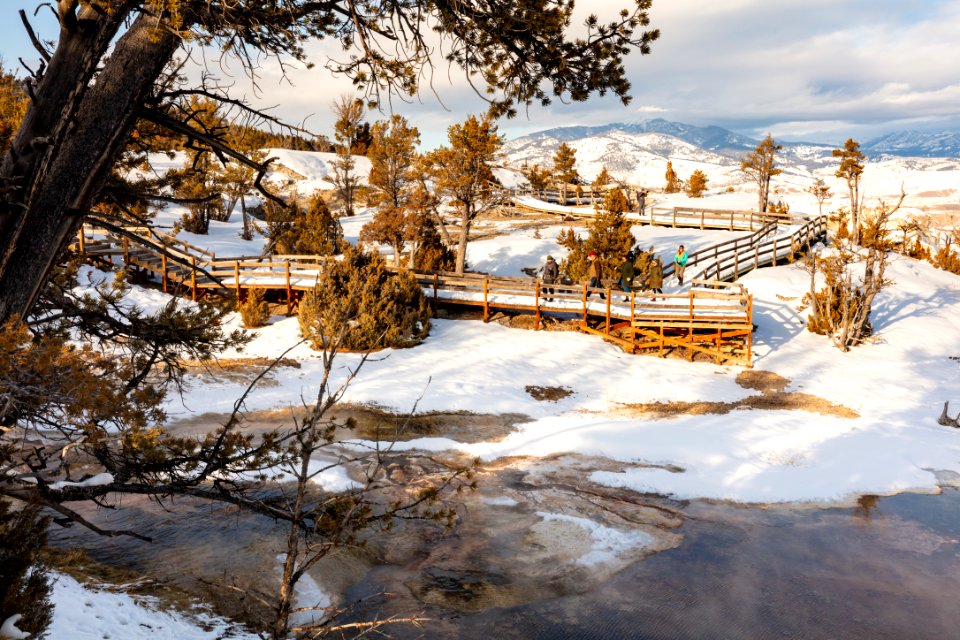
[(551, 394), (773, 398), (369, 423), (762, 381), (239, 364), (523, 321), (372, 423)]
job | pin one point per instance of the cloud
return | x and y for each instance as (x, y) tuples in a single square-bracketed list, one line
[(820, 69)]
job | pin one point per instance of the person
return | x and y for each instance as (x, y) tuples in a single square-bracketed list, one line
[(655, 277), (642, 198), (627, 274), (680, 263), (596, 273), (551, 271)]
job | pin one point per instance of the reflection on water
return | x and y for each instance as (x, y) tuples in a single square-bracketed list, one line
[(888, 568)]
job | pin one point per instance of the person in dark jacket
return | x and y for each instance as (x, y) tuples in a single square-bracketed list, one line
[(551, 271), (627, 274), (596, 273), (655, 277)]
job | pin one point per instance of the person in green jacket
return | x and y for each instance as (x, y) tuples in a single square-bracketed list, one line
[(680, 263), (627, 273)]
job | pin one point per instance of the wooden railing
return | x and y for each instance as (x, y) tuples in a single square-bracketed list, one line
[(728, 261)]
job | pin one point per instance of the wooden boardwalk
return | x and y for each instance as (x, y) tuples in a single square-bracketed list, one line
[(675, 217), (711, 317)]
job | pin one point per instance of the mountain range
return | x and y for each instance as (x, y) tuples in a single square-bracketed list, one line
[(729, 143)]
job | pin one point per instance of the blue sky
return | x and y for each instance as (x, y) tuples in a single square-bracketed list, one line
[(816, 70)]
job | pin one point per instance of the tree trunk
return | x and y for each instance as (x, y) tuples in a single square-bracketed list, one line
[(462, 242), (246, 219), (67, 147)]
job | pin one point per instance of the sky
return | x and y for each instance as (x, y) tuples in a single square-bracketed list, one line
[(810, 70)]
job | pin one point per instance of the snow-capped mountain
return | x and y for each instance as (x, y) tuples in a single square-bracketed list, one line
[(927, 166), (728, 143), (942, 144)]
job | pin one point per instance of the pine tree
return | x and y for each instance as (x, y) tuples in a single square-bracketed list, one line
[(673, 181), (821, 192), (851, 168), (392, 153), (13, 106), (349, 113), (318, 232), (564, 167), (24, 581), (609, 236), (697, 184), (372, 307), (539, 178), (603, 178), (464, 173), (760, 164), (393, 158)]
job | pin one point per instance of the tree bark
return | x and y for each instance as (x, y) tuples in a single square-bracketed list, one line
[(462, 241), (74, 132)]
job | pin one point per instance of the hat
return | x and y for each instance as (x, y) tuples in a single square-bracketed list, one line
[(549, 258), (592, 255)]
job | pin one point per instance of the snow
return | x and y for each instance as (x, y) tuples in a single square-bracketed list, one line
[(84, 612), (608, 543), (93, 481), (307, 595), (896, 383)]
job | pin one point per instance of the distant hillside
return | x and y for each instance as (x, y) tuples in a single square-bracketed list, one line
[(725, 142)]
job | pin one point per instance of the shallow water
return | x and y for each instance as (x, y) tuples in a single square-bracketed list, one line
[(889, 568)]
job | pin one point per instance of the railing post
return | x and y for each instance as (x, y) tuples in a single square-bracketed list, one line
[(289, 288), (126, 252), (607, 330), (701, 219), (731, 221), (674, 217), (536, 304), (193, 278), (584, 303), (486, 304), (163, 266), (236, 277), (436, 303), (774, 251), (756, 256), (736, 262)]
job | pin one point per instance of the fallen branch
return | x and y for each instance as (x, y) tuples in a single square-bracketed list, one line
[(946, 420)]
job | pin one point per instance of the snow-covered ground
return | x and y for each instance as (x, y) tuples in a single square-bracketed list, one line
[(84, 612), (896, 385)]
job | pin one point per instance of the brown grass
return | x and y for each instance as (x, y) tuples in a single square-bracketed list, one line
[(772, 398)]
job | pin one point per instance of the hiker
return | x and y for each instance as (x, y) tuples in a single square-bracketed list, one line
[(642, 202), (655, 277), (680, 263), (596, 274), (551, 271), (627, 274)]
